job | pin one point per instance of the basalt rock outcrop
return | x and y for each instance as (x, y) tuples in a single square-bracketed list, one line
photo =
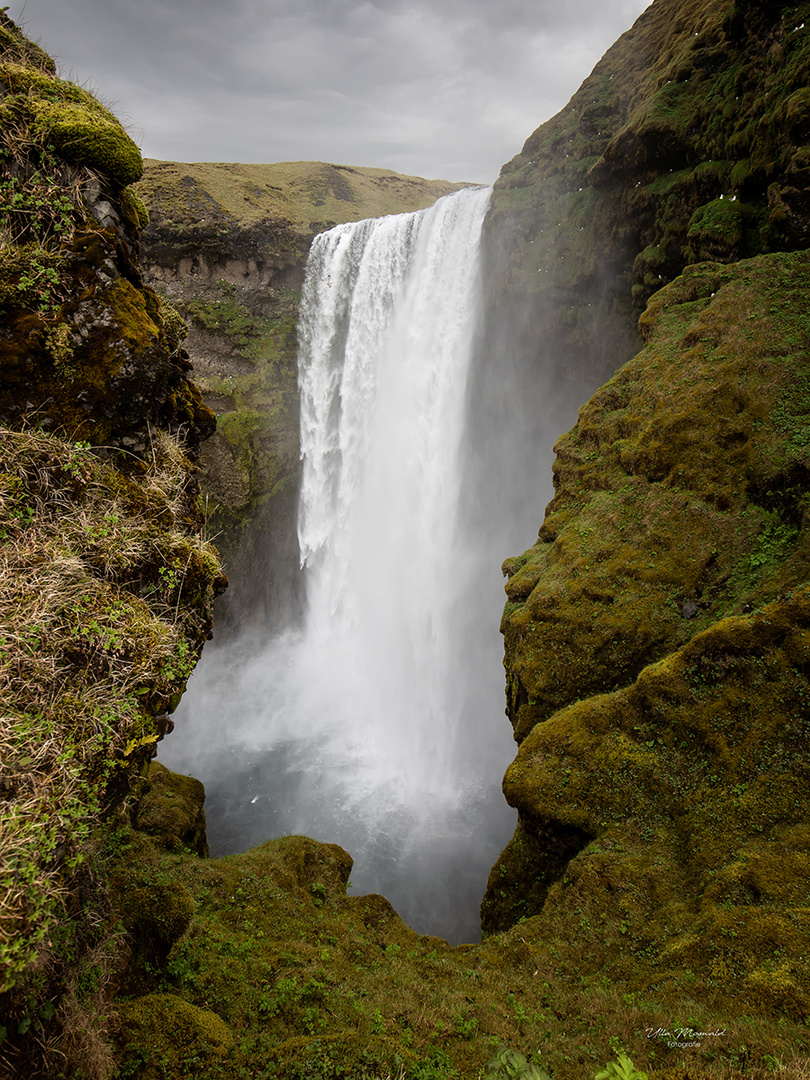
[(227, 244), (656, 681)]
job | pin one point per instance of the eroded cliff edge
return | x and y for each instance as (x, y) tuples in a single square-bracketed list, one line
[(656, 679)]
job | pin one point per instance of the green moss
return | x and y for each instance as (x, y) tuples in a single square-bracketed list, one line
[(87, 139), (14, 44), (134, 209), (317, 982), (160, 1035), (77, 126), (174, 326), (656, 658), (717, 230), (170, 809)]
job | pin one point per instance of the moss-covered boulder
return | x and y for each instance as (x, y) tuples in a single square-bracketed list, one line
[(680, 493), (68, 118), (160, 1035), (170, 809)]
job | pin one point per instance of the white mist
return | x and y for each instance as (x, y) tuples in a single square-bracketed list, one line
[(363, 728)]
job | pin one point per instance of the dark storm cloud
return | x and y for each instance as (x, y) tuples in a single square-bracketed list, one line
[(440, 88)]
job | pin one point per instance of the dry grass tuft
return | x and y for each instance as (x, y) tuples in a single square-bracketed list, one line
[(105, 594)]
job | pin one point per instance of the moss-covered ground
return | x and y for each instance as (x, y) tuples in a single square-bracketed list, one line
[(265, 965)]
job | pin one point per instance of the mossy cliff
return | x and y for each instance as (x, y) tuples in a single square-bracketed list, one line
[(227, 244), (654, 647), (264, 964), (106, 585), (687, 142), (654, 634)]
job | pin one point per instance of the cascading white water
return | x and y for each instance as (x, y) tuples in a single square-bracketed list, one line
[(359, 728), (386, 334)]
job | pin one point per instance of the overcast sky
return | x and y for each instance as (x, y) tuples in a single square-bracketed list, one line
[(445, 89)]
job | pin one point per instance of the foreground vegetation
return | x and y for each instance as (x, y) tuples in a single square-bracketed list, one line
[(262, 964), (106, 586)]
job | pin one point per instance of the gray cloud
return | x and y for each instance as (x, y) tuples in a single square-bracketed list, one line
[(439, 88)]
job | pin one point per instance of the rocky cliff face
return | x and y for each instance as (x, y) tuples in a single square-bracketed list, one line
[(228, 245), (655, 675), (687, 142), (106, 585)]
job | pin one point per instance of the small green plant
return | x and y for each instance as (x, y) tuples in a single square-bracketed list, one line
[(518, 1009), (775, 1064), (621, 1069), (509, 1064), (771, 544), (466, 1027)]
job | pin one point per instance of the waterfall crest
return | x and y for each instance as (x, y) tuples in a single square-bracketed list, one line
[(365, 726)]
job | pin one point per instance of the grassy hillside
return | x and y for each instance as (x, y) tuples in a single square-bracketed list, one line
[(308, 195)]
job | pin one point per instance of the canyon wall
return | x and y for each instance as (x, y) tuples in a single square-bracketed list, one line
[(106, 581), (656, 682)]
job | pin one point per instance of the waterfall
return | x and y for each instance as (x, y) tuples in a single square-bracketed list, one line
[(386, 335), (366, 726)]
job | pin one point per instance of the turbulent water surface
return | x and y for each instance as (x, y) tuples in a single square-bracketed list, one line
[(375, 724)]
